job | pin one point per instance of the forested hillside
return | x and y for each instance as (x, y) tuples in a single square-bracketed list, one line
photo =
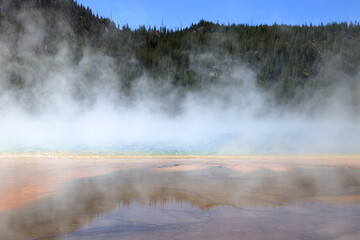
[(283, 57)]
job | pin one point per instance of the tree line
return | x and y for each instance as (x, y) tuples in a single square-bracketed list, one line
[(284, 57)]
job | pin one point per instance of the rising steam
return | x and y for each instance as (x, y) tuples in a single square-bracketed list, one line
[(59, 104)]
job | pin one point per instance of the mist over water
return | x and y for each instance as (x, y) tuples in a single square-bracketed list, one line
[(62, 105)]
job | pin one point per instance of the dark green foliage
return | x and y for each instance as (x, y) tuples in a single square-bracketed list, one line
[(283, 57)]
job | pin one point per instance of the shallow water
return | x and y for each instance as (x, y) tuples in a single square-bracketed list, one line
[(176, 220), (203, 199)]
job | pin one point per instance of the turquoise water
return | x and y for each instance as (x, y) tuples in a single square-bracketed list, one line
[(209, 147), (122, 149), (227, 144)]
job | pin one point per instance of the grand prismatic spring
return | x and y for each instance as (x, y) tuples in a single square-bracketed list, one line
[(215, 129)]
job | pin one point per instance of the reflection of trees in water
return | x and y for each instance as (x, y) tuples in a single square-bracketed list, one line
[(80, 201)]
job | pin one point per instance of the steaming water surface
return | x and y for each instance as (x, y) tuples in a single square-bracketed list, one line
[(75, 107)]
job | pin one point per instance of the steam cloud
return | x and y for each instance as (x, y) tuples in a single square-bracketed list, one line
[(67, 105)]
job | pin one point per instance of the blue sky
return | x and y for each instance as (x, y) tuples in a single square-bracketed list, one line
[(183, 13)]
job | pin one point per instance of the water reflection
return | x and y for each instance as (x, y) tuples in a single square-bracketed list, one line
[(202, 204)]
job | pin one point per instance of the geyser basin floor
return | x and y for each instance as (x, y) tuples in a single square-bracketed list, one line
[(171, 197)]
